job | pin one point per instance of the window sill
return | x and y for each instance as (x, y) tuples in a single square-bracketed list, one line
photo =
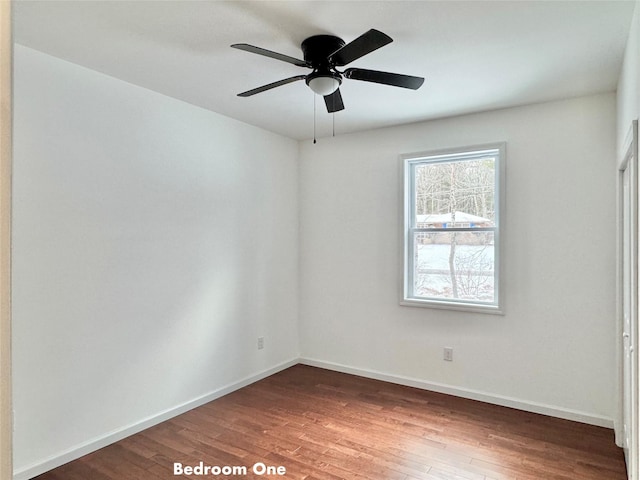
[(456, 306)]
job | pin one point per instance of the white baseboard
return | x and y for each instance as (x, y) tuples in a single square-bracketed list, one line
[(116, 435), (501, 400)]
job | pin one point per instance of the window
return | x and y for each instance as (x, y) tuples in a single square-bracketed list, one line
[(452, 229)]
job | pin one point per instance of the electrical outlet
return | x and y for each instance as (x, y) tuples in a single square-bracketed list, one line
[(448, 354), (260, 343)]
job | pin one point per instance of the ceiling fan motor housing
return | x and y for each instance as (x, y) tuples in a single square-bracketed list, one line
[(318, 48)]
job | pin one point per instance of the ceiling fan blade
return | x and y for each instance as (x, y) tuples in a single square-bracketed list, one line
[(269, 86), (268, 53), (364, 44), (386, 78), (333, 101)]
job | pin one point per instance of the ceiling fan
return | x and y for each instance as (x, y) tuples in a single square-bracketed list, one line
[(323, 53)]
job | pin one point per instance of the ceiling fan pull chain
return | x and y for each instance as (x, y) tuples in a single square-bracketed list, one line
[(314, 119), (333, 119)]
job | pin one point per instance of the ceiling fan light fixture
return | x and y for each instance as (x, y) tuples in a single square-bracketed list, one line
[(324, 84)]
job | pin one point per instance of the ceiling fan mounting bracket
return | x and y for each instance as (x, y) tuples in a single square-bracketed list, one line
[(323, 72), (318, 48)]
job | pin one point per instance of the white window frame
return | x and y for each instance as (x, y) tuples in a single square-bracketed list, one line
[(408, 163)]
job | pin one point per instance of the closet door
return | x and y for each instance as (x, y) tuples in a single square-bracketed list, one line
[(629, 301)]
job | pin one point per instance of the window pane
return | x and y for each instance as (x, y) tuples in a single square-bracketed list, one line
[(455, 194), (454, 266)]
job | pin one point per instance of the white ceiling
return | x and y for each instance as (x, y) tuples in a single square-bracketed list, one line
[(475, 55)]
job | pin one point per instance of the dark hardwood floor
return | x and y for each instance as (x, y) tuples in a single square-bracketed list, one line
[(325, 425)]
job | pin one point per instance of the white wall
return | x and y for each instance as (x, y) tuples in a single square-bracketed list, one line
[(555, 346), (154, 241), (628, 94)]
